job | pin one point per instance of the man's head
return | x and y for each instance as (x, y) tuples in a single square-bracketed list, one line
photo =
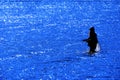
[(92, 28)]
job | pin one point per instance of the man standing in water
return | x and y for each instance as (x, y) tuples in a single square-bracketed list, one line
[(92, 41)]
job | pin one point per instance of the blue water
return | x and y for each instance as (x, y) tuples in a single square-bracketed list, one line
[(41, 40)]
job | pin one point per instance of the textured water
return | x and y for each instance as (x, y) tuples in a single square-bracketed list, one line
[(41, 40)]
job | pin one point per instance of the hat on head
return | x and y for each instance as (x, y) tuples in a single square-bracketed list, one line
[(92, 28)]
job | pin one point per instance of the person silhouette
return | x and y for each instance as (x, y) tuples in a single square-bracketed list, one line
[(92, 41)]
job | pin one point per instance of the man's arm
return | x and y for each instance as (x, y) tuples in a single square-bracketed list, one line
[(86, 40)]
